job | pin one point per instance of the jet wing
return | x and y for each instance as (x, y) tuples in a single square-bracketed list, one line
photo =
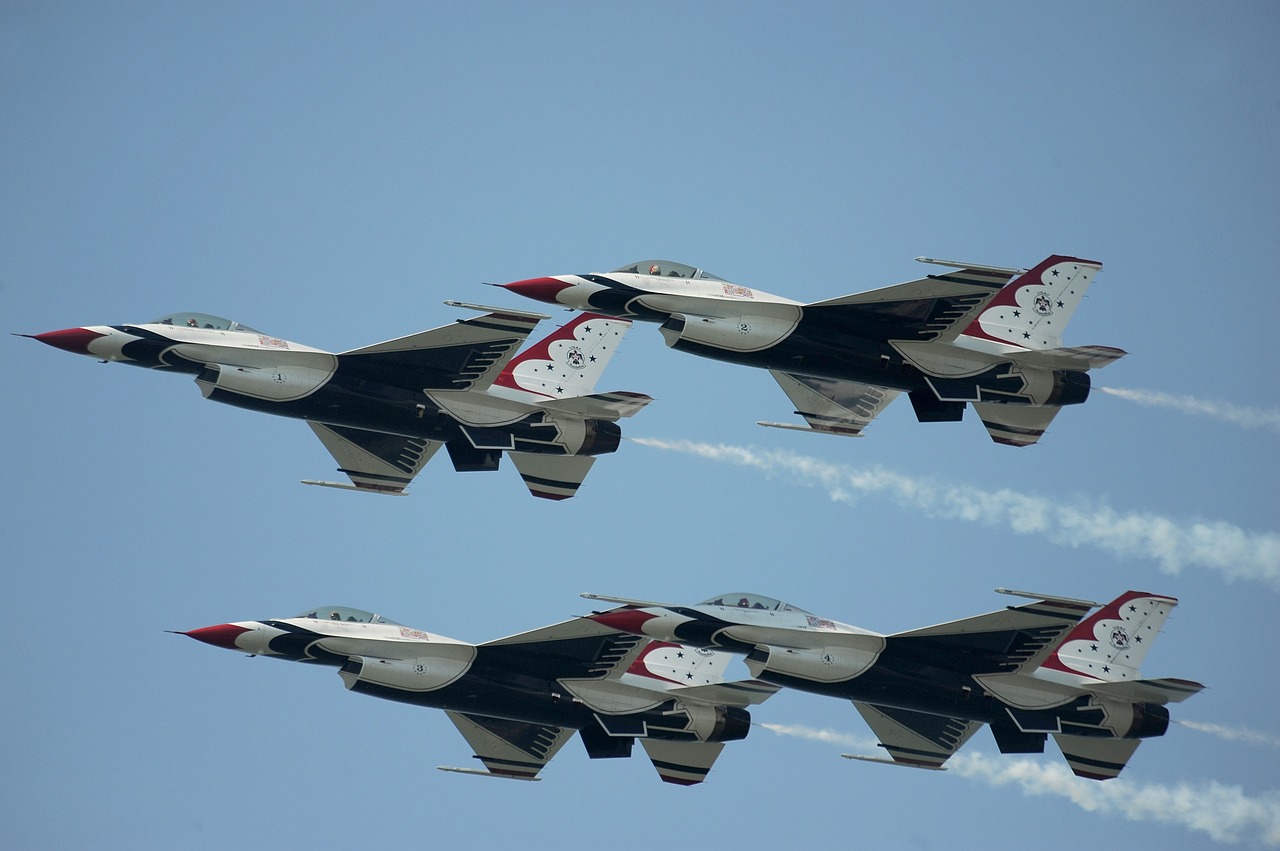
[(1016, 425), (374, 461), (552, 476), (935, 308), (914, 738), (682, 763), (515, 750), (831, 406), (572, 649), (1015, 639), (467, 355)]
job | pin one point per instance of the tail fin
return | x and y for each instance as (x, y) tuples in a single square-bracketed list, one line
[(1033, 310), (567, 363), (1109, 646)]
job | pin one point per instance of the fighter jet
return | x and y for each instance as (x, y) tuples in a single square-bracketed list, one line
[(1027, 671), (989, 336), (517, 700), (382, 411)]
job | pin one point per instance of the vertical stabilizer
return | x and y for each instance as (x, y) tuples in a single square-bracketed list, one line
[(1109, 645), (567, 363), (1032, 311)]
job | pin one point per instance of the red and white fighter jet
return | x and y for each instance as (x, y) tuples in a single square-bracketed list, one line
[(986, 336), (384, 410), (517, 700), (1029, 672)]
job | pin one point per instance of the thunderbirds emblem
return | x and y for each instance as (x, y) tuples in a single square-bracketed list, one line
[(1119, 638), (1043, 305), (575, 358)]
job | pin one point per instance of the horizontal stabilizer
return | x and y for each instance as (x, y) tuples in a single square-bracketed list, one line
[(682, 763), (1073, 357), (616, 405), (552, 476), (1150, 691), (1015, 425), (1096, 758)]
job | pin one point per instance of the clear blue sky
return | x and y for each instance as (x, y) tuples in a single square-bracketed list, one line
[(330, 173)]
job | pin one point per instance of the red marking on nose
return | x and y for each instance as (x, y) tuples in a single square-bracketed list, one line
[(625, 620), (222, 635), (539, 289), (74, 340)]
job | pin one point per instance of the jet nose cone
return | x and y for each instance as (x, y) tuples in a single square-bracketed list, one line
[(539, 289), (74, 340), (222, 635), (625, 620)]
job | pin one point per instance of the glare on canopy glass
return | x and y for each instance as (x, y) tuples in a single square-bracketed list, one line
[(750, 601), (203, 320), (668, 269), (345, 614)]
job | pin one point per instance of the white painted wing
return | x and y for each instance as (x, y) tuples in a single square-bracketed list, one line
[(470, 354), (831, 406), (512, 749), (374, 461), (914, 738)]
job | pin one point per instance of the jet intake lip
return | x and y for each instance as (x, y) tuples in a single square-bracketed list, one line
[(221, 635), (539, 289), (74, 340)]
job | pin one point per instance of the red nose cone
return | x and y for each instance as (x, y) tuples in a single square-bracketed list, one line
[(222, 635), (540, 289), (74, 340), (625, 620)]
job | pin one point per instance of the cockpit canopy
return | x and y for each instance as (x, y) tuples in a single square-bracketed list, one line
[(751, 601), (204, 320), (346, 614), (668, 269)]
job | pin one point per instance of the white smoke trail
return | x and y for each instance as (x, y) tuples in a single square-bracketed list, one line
[(1223, 812), (825, 735), (1233, 734), (1266, 418), (1174, 544)]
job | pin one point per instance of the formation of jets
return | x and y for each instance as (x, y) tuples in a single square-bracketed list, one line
[(654, 672), (989, 337)]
